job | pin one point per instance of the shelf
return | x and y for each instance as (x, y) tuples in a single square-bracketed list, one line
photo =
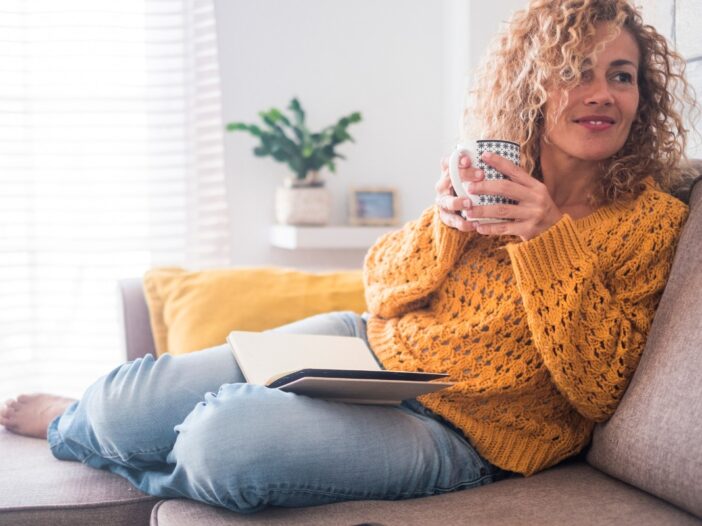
[(324, 237)]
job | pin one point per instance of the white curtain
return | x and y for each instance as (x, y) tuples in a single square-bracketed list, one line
[(111, 162)]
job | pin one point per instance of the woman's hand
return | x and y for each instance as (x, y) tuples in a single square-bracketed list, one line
[(450, 206), (535, 212)]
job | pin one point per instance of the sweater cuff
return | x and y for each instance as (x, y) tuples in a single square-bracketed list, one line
[(448, 241), (554, 252)]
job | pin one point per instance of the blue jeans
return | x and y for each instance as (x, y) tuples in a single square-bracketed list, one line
[(189, 426)]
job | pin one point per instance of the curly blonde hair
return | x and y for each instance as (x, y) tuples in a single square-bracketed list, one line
[(552, 41)]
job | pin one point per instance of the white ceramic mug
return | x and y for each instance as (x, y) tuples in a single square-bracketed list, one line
[(474, 149)]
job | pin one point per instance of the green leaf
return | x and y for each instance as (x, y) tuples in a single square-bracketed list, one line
[(240, 126), (302, 137), (281, 156), (290, 141), (299, 113), (340, 135), (277, 116)]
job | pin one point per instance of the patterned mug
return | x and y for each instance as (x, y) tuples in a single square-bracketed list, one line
[(506, 149)]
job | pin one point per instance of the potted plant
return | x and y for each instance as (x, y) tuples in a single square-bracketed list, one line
[(303, 199)]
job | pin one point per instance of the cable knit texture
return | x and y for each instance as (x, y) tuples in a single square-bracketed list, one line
[(541, 337)]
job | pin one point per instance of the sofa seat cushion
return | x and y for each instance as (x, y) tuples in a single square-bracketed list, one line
[(37, 489), (572, 493), (653, 439)]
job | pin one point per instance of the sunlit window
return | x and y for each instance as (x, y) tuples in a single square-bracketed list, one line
[(104, 106)]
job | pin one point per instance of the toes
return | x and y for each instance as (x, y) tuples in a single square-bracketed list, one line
[(9, 426), (5, 422)]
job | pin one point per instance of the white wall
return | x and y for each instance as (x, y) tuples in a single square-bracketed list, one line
[(469, 26), (400, 62), (679, 21), (380, 58), (405, 64)]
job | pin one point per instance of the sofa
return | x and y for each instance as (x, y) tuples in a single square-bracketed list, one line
[(643, 466)]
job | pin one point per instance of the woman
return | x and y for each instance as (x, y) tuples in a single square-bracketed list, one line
[(540, 321)]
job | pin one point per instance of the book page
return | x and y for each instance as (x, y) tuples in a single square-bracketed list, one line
[(262, 355)]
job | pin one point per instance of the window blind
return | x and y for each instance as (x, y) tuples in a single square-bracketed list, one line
[(111, 162)]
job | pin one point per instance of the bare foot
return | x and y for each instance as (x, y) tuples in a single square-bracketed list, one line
[(30, 415)]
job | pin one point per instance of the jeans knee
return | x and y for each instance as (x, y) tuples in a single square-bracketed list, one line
[(226, 457), (336, 323), (115, 405)]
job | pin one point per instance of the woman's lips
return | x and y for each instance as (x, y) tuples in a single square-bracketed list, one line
[(595, 122), (596, 125)]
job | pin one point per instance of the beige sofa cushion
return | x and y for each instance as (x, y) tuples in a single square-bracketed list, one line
[(36, 489), (572, 494), (654, 440)]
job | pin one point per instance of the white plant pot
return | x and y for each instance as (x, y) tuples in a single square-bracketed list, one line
[(302, 206)]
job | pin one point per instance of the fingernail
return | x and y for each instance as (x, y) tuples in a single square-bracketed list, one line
[(464, 161), (479, 174), (487, 155), (467, 203)]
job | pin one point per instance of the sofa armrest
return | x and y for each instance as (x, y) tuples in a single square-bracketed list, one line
[(138, 339)]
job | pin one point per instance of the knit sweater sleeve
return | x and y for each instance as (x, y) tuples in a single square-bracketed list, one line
[(589, 323), (404, 267)]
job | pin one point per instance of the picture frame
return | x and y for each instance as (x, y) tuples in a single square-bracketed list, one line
[(373, 206)]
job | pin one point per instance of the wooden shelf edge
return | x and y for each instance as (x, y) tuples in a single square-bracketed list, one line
[(340, 237)]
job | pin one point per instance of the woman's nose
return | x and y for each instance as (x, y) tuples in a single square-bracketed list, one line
[(599, 93)]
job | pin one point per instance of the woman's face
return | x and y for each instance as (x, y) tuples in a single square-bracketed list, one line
[(597, 117)]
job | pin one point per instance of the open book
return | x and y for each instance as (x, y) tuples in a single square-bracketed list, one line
[(339, 368)]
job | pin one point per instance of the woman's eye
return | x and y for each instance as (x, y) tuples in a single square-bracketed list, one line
[(627, 78)]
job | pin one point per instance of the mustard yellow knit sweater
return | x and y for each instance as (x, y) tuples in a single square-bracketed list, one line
[(542, 337)]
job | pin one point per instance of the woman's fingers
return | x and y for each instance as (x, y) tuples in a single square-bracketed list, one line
[(443, 185), (467, 172), (453, 209), (453, 203), (534, 213), (444, 165), (508, 168), (455, 221), (503, 187), (497, 212)]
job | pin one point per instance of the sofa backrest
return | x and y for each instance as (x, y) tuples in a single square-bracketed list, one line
[(654, 439), (138, 339)]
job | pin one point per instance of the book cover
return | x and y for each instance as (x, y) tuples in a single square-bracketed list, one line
[(338, 368)]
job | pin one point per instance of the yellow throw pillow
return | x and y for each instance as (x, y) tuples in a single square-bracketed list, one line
[(190, 311)]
